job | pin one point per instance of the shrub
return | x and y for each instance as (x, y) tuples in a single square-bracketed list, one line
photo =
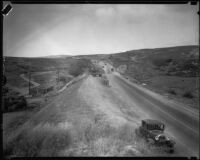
[(161, 62), (188, 94), (14, 103), (50, 88), (65, 79), (172, 91)]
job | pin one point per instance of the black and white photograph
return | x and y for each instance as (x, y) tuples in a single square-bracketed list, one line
[(100, 80)]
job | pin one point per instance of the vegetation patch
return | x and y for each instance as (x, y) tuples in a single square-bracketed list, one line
[(171, 91), (188, 94), (101, 139), (13, 101), (42, 140)]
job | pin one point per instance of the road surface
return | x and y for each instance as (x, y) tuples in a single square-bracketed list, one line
[(182, 122)]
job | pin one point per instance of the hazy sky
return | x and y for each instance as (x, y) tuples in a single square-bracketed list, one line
[(41, 30)]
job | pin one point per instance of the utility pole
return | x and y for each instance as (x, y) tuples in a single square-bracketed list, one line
[(29, 78), (58, 76)]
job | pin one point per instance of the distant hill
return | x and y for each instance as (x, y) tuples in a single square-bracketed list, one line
[(21, 64), (171, 71), (93, 56), (178, 61), (57, 56), (141, 64), (14, 66)]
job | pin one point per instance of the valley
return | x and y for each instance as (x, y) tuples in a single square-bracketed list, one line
[(97, 114)]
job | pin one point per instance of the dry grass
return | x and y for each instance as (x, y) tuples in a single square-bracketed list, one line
[(101, 139), (84, 139), (73, 130), (42, 140)]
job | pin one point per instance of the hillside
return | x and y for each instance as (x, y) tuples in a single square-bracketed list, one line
[(90, 118), (172, 71), (42, 69), (178, 61), (73, 126), (98, 115)]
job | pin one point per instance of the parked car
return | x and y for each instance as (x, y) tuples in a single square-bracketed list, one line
[(153, 132)]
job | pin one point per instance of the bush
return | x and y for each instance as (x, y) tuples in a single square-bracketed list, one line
[(50, 88), (161, 62), (65, 79), (14, 103), (188, 94), (172, 91)]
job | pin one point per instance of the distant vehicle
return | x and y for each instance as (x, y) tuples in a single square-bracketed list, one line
[(105, 80), (96, 71), (153, 132), (95, 74)]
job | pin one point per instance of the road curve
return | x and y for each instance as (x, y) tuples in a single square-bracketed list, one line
[(181, 124)]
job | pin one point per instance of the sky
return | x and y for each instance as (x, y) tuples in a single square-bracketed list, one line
[(35, 30)]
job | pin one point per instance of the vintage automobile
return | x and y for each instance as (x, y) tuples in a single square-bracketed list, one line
[(96, 71), (105, 80), (153, 132)]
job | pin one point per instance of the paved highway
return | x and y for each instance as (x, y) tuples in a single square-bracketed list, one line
[(181, 124)]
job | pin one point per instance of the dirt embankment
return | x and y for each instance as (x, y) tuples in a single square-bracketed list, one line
[(115, 108), (87, 119)]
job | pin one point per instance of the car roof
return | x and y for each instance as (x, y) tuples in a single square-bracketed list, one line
[(152, 121)]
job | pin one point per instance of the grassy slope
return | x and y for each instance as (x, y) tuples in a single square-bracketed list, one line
[(15, 66), (88, 137), (68, 127), (43, 71), (164, 69)]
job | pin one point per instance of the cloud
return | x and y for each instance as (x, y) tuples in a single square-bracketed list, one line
[(105, 12), (98, 28), (129, 13), (140, 10)]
